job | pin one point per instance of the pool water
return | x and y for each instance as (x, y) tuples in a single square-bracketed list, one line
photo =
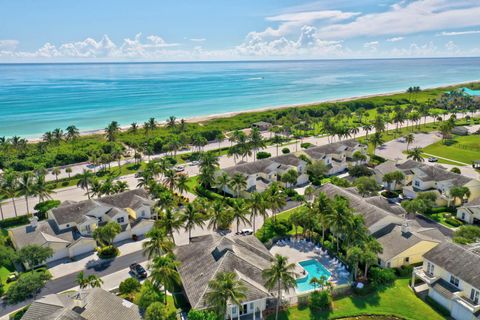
[(313, 269), (471, 92)]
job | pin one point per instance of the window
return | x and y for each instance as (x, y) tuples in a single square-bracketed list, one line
[(454, 280), (388, 264), (463, 215), (99, 219), (251, 305), (430, 268), (407, 260), (234, 309), (121, 220), (474, 295), (68, 226), (417, 184), (143, 213)]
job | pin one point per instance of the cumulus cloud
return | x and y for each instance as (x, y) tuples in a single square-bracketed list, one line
[(458, 33), (197, 39), (395, 39), (451, 46), (8, 44)]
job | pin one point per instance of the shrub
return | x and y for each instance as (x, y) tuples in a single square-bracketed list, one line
[(129, 286), (455, 170), (390, 194), (19, 314), (285, 150), (454, 222), (360, 171), (33, 255), (43, 207), (263, 155), (305, 145), (340, 182), (379, 276), (320, 300), (108, 252), (14, 222), (467, 234), (156, 311), (201, 315), (404, 271), (27, 286), (273, 229), (148, 295)]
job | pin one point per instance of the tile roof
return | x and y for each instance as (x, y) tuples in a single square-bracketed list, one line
[(205, 256), (460, 261), (45, 232)]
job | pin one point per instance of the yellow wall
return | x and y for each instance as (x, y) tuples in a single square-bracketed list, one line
[(132, 213), (414, 253)]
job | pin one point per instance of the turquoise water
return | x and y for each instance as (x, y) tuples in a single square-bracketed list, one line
[(313, 269), (471, 92), (35, 98)]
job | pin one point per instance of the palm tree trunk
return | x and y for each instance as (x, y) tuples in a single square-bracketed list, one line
[(165, 293), (14, 206), (26, 201), (279, 296), (1, 210)]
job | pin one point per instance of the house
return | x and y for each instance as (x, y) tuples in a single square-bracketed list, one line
[(403, 241), (420, 177), (262, 125), (261, 173), (337, 156), (69, 228), (90, 304), (206, 256), (450, 275), (470, 212)]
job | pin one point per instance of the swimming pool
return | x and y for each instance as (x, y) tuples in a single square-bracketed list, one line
[(471, 92), (313, 269)]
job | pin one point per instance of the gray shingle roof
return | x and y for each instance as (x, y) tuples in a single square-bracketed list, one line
[(250, 167), (205, 256), (474, 203), (457, 260), (128, 199), (92, 304), (436, 173), (45, 232), (331, 148), (74, 212), (288, 160)]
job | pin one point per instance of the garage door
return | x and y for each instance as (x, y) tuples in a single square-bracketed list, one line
[(82, 247), (142, 228)]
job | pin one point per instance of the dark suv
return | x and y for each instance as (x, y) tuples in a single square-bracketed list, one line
[(138, 271)]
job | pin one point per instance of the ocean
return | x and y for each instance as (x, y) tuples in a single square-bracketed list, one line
[(35, 98)]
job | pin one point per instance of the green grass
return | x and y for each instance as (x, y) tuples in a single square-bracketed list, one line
[(283, 216), (397, 300), (465, 149), (193, 183)]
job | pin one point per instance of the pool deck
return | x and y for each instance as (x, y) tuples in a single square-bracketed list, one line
[(295, 256)]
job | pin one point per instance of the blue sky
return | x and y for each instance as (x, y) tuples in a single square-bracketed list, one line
[(169, 30)]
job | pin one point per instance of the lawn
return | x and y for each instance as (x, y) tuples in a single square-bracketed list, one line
[(282, 216), (465, 149), (397, 300)]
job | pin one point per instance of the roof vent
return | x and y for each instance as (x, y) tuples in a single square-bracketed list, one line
[(34, 222)]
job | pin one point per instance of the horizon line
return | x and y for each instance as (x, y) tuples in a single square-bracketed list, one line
[(229, 61)]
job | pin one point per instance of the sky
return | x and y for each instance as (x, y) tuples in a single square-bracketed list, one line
[(197, 30)]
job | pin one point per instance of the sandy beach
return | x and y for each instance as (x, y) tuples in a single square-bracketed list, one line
[(199, 119)]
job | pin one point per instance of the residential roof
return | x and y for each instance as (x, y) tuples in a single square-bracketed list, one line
[(436, 173), (45, 232), (474, 203), (208, 255), (288, 160), (375, 217), (91, 304), (460, 261), (331, 148), (249, 167), (395, 241), (386, 167), (445, 289), (75, 212)]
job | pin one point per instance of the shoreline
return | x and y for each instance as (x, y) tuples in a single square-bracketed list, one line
[(199, 119)]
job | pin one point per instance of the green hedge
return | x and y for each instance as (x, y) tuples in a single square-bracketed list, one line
[(14, 222)]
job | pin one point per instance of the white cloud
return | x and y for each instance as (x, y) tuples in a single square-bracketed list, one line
[(451, 46), (458, 33), (197, 39), (395, 39), (371, 44), (8, 44), (409, 17)]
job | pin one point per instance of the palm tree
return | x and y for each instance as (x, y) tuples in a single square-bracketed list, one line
[(182, 183), (225, 289), (170, 222), (112, 130), (164, 273), (240, 212), (170, 179), (56, 171), (26, 186), (68, 170), (10, 186), (376, 140), (81, 280), (409, 139), (91, 281), (238, 183), (256, 142), (354, 256), (41, 189), (276, 198), (133, 127), (171, 122), (72, 133), (416, 154), (222, 181), (84, 181), (258, 207), (208, 165), (339, 218), (367, 128), (192, 218), (218, 215), (157, 244), (280, 276)]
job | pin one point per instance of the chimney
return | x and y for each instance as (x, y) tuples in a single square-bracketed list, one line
[(34, 222), (405, 227)]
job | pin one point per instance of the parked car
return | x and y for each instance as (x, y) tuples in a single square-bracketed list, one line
[(195, 163), (138, 271), (432, 159), (179, 168), (246, 232)]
